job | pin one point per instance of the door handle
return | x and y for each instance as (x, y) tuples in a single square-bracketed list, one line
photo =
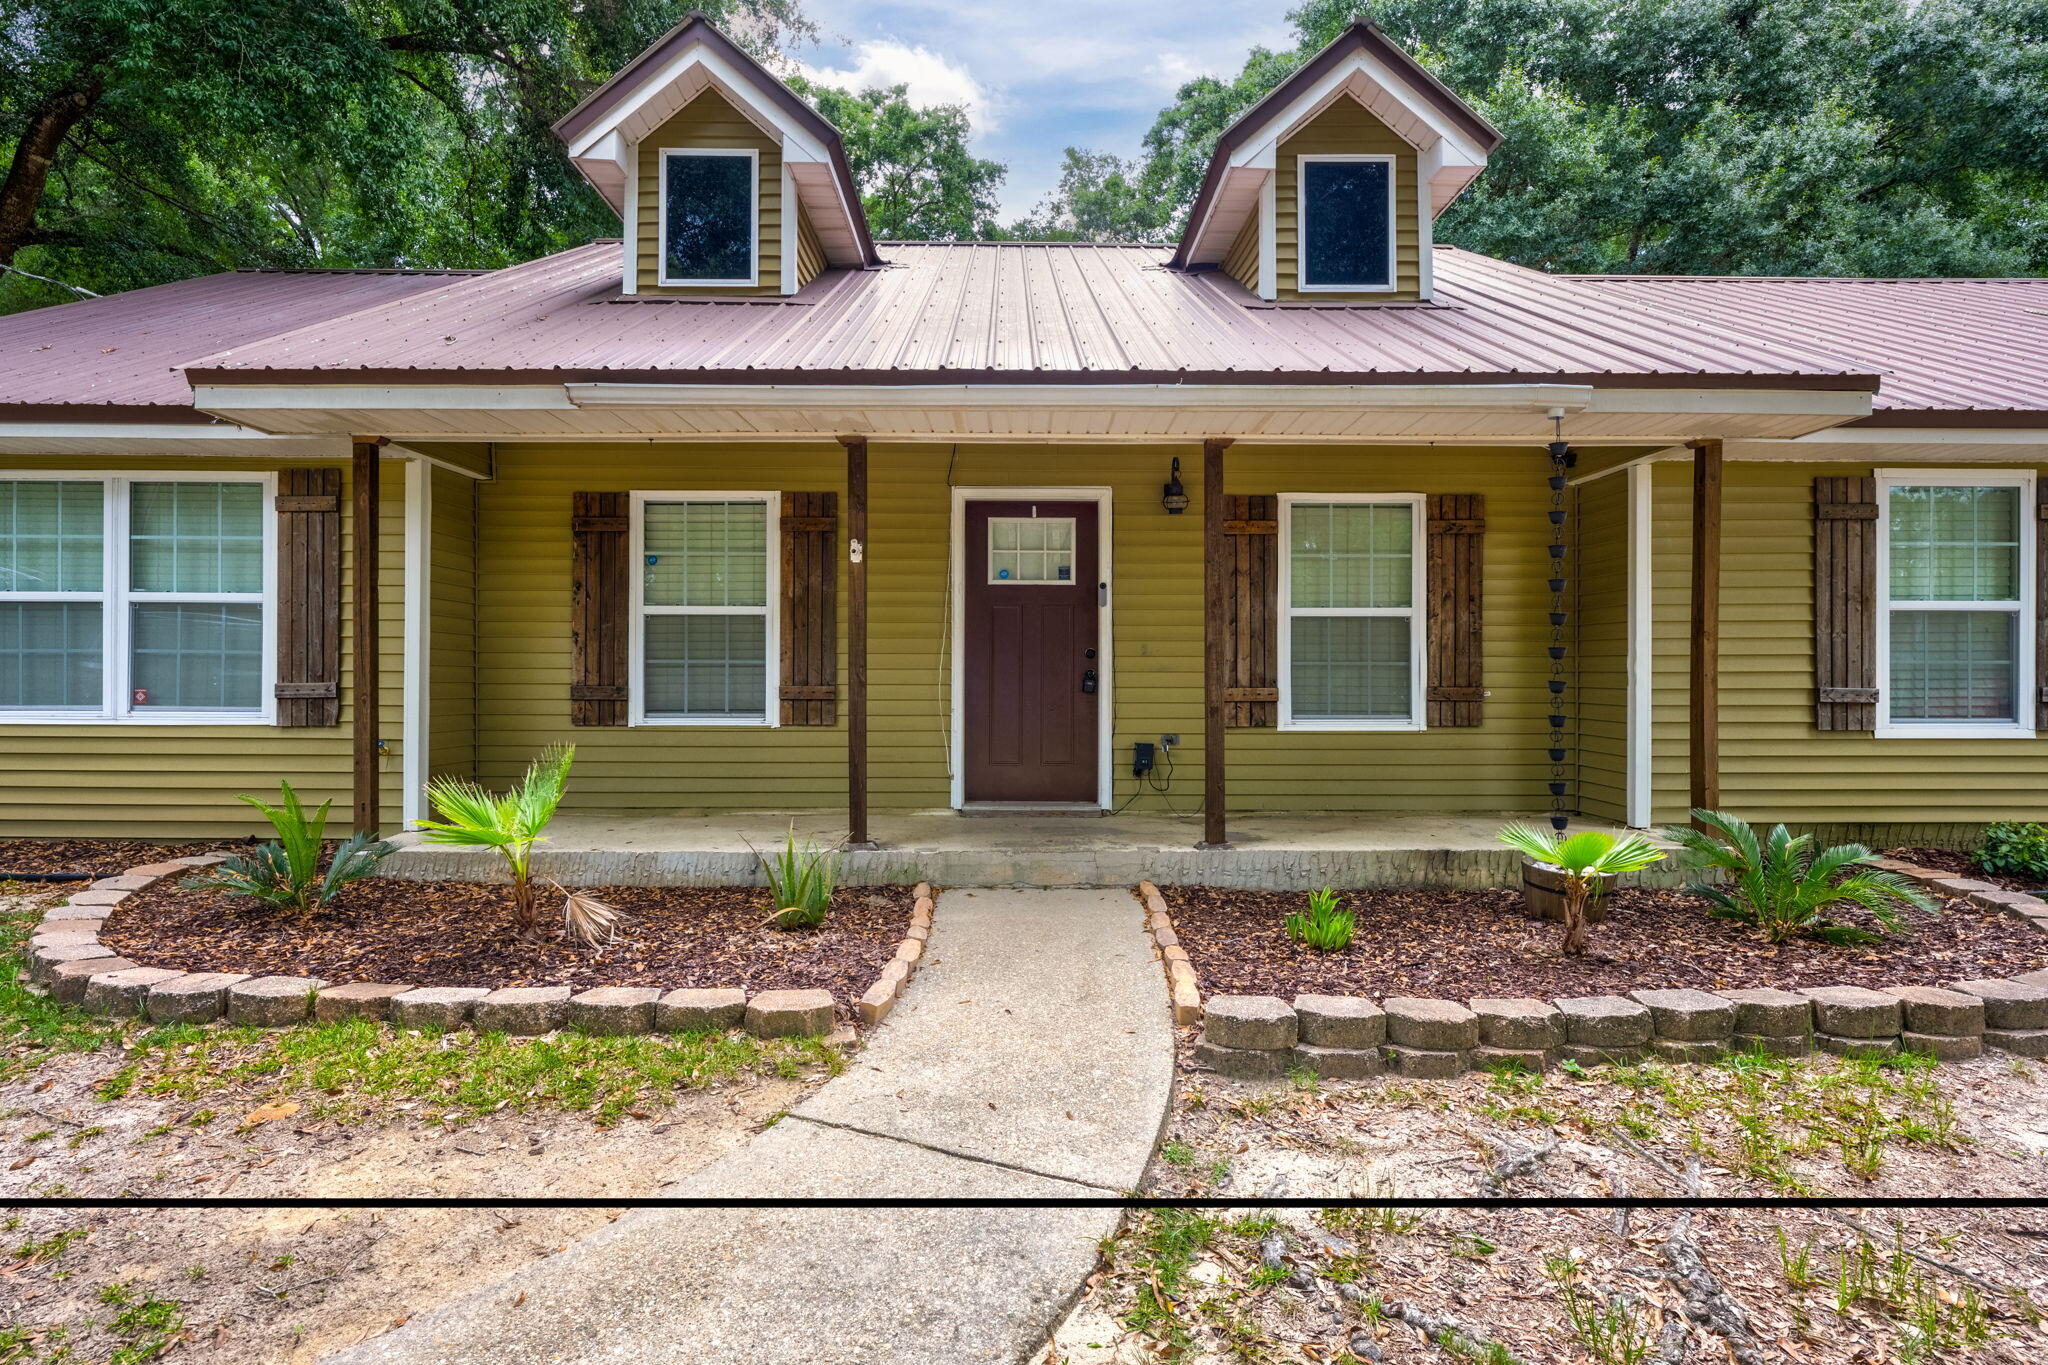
[(1088, 680)]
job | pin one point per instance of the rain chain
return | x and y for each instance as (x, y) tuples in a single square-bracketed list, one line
[(1561, 459)]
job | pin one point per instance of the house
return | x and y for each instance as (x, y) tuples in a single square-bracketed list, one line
[(1303, 512)]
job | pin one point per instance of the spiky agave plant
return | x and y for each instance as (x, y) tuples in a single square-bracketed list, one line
[(510, 823), (285, 872), (1785, 886), (1584, 858), (801, 881)]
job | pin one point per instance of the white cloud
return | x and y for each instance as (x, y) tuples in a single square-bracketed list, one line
[(932, 79)]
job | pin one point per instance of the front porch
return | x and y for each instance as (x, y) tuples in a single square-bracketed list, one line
[(1272, 850)]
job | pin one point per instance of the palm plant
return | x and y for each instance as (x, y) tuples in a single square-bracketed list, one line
[(1584, 858), (512, 823), (1783, 886), (285, 872)]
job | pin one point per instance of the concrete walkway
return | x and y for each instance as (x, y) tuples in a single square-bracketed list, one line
[(1031, 1058)]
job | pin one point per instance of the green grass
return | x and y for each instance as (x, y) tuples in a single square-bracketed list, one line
[(355, 1068)]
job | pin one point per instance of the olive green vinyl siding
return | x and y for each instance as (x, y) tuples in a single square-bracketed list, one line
[(451, 628), (160, 781), (810, 252), (1348, 127), (1775, 764), (1671, 635), (709, 120), (1242, 264), (1599, 574)]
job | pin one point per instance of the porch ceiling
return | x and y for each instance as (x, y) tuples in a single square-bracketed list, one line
[(1408, 413)]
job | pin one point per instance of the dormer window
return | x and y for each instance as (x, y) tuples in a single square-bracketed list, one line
[(710, 215), (1346, 223)]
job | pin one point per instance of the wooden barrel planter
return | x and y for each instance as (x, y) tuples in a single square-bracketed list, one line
[(1543, 892)]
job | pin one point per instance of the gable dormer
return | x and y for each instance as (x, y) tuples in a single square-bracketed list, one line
[(727, 184), (1327, 190)]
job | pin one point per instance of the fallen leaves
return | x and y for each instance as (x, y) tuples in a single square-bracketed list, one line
[(270, 1113)]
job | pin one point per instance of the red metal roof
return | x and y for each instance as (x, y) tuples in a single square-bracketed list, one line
[(1010, 312), (125, 349), (1942, 345)]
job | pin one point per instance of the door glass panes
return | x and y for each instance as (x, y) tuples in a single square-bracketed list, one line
[(1351, 668), (196, 656), (709, 222), (1031, 549), (196, 538), (52, 536), (706, 666), (1955, 544), (50, 656), (1346, 234), (705, 554)]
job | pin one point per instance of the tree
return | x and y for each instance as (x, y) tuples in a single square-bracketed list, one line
[(148, 140), (1709, 136), (917, 179), (1101, 198)]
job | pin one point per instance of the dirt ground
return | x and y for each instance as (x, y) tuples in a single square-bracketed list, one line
[(1562, 1286), (259, 1286)]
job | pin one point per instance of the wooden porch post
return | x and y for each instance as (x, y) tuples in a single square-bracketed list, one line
[(364, 519), (856, 642), (1216, 662), (1704, 737)]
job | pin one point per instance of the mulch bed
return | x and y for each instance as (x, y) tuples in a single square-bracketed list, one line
[(1956, 862), (100, 857), (1460, 944), (460, 934)]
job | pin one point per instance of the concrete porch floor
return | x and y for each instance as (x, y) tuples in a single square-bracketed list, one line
[(1273, 850)]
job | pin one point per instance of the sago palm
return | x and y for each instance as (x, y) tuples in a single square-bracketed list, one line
[(1584, 858), (1783, 886), (511, 823)]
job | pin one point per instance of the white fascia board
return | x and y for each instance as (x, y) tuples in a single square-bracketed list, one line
[(796, 143), (12, 433), (283, 397), (1933, 436), (1511, 397), (1837, 405), (1460, 150)]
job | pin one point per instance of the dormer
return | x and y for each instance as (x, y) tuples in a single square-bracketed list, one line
[(1327, 190), (726, 182)]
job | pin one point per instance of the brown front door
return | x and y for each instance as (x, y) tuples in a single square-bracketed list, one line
[(1032, 675)]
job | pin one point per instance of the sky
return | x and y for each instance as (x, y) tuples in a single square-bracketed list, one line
[(1042, 75)]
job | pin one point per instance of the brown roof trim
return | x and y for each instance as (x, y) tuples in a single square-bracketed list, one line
[(1985, 419), (697, 27), (1852, 383), (182, 414), (1363, 35)]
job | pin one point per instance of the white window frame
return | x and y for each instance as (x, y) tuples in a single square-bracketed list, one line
[(1417, 717), (1301, 164), (114, 599), (2025, 607), (753, 276), (771, 612)]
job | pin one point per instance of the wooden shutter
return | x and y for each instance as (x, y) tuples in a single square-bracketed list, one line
[(810, 638), (308, 597), (1456, 545), (1845, 602), (1251, 529), (600, 604)]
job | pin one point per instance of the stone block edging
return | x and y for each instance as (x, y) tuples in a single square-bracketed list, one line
[(1180, 973), (77, 969), (1260, 1037)]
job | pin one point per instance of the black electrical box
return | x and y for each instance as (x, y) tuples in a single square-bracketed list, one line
[(1141, 759)]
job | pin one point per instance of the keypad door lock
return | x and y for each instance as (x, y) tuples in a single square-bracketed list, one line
[(1088, 680)]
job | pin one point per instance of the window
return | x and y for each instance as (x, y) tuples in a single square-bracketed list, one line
[(1345, 222), (1955, 635), (1030, 549), (705, 632), (135, 599), (1351, 648), (709, 215)]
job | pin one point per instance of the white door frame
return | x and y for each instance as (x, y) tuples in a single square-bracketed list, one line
[(1105, 726)]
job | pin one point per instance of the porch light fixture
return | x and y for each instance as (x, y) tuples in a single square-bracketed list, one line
[(1174, 498)]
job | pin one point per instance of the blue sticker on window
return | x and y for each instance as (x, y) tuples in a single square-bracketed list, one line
[(652, 560), (1066, 571), (1002, 573)]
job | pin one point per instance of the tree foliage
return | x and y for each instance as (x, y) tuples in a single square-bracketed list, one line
[(147, 140), (1872, 137), (917, 179)]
